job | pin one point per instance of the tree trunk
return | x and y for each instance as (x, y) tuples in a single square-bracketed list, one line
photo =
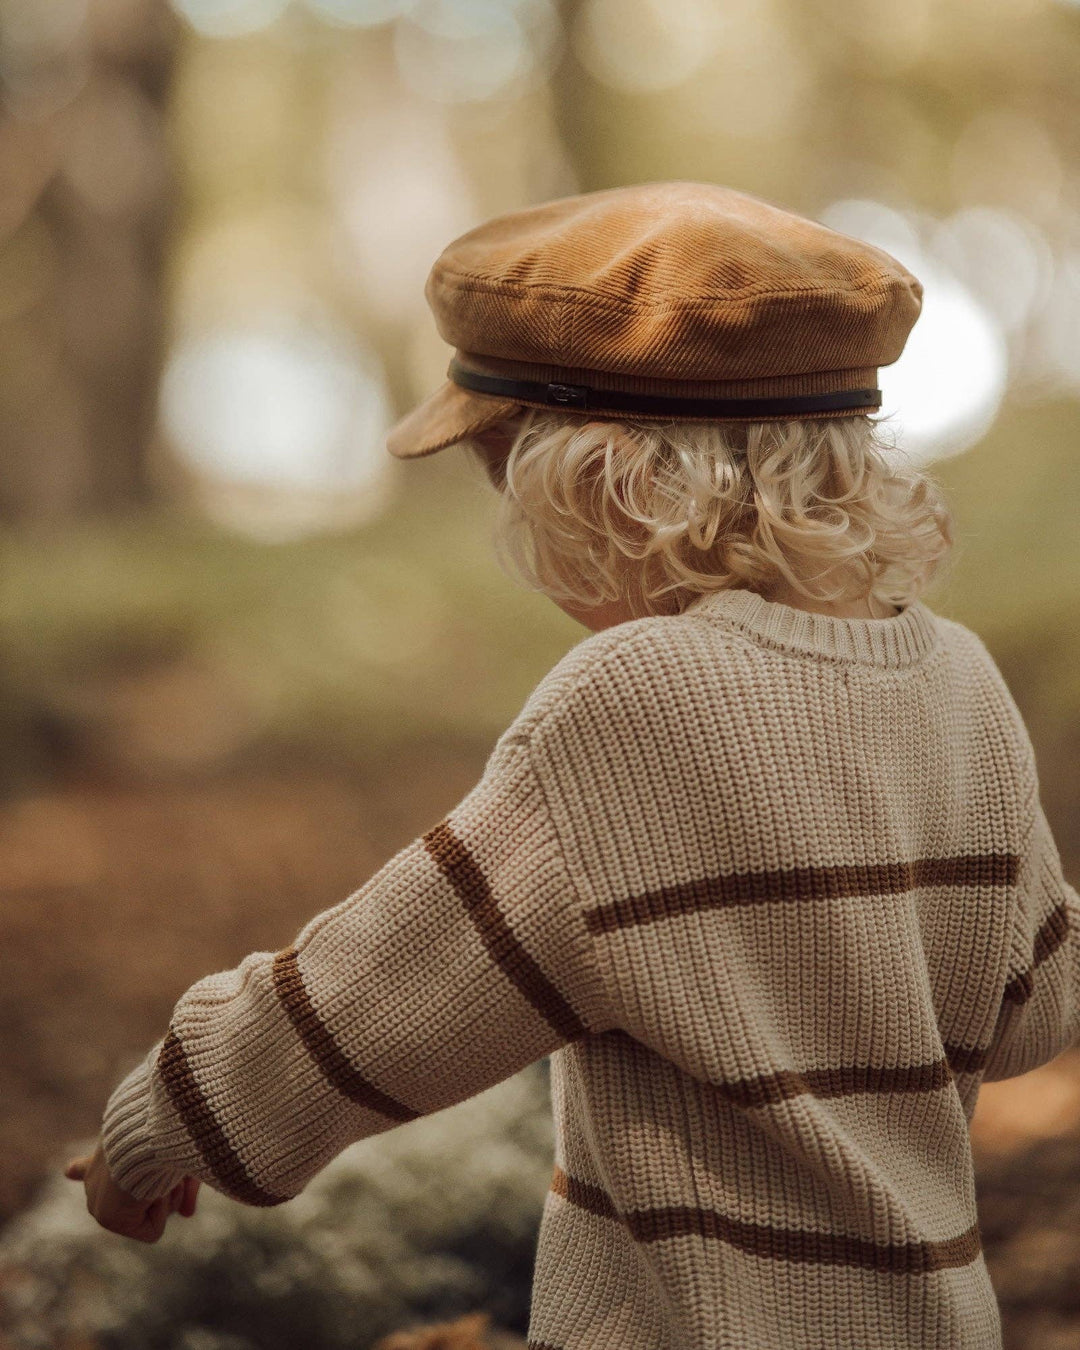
[(87, 199)]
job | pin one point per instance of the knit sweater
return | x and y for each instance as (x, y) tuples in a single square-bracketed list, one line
[(775, 892)]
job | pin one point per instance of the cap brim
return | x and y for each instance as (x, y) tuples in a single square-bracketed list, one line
[(448, 415)]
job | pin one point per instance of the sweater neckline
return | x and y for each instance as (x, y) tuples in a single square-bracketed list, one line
[(895, 642)]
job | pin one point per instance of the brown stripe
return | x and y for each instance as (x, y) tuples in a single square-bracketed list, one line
[(842, 1081), (838, 1081), (966, 1058), (804, 1245), (780, 1244), (1053, 931), (542, 1345), (465, 875), (1020, 988), (583, 1194), (732, 889), (324, 1050), (204, 1127)]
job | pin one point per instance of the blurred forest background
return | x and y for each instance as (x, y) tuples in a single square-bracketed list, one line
[(245, 656)]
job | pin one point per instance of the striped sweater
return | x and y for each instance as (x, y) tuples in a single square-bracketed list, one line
[(775, 892)]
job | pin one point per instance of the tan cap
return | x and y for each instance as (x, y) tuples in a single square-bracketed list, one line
[(681, 301)]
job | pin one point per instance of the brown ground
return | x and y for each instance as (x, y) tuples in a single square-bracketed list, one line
[(113, 900)]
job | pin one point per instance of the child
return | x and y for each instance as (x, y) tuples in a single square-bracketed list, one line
[(761, 863)]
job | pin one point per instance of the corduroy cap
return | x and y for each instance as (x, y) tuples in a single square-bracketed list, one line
[(674, 300)]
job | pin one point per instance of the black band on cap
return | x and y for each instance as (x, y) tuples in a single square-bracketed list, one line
[(583, 398)]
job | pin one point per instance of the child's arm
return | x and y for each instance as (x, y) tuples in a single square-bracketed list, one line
[(1040, 1008), (460, 962)]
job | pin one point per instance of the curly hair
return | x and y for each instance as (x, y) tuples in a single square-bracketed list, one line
[(655, 513)]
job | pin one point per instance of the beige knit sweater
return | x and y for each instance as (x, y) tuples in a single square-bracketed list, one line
[(776, 893)]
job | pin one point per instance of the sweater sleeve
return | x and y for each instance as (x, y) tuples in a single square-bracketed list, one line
[(1040, 1008), (462, 960)]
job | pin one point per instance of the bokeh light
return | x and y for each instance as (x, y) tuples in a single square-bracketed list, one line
[(1057, 330), (460, 51), (945, 390), (646, 45), (230, 18), (360, 13), (402, 195), (284, 405), (1002, 258)]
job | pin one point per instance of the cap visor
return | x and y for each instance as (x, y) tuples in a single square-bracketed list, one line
[(448, 415)]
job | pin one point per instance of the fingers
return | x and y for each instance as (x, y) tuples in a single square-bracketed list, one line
[(139, 1220), (153, 1224), (121, 1213), (180, 1200), (190, 1192), (146, 1227)]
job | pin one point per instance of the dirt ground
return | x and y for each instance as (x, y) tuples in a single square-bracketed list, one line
[(114, 899)]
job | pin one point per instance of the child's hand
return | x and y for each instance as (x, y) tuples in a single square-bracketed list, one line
[(119, 1212)]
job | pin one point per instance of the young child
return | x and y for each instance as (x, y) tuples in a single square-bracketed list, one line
[(761, 864)]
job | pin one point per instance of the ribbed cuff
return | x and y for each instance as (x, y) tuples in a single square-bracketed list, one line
[(129, 1156)]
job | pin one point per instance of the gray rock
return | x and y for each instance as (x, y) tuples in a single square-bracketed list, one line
[(428, 1221)]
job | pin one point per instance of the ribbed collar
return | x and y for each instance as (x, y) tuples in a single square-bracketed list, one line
[(902, 640)]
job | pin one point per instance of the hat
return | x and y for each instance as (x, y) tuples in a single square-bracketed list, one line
[(673, 300)]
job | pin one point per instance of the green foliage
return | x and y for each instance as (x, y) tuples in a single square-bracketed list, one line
[(349, 644), (1016, 571)]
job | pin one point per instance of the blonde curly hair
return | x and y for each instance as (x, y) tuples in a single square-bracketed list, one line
[(655, 513)]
